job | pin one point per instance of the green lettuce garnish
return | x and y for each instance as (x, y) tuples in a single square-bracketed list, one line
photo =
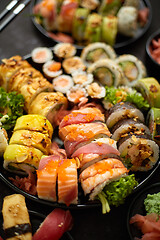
[(116, 192), (11, 108)]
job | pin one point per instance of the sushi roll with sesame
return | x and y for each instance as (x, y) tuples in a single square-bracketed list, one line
[(153, 120), (127, 21), (52, 69), (63, 83), (132, 67), (73, 64), (64, 50), (107, 72), (82, 78), (95, 90), (40, 55), (96, 51), (109, 29), (76, 93)]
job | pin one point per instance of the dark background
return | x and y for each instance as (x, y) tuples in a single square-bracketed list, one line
[(19, 38)]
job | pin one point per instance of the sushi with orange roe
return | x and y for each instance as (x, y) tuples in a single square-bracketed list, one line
[(40, 55), (62, 83), (52, 69)]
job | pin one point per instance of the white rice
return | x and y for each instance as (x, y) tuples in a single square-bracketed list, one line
[(62, 83)]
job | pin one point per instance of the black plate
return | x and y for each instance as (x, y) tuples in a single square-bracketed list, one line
[(121, 41), (141, 177), (137, 207), (36, 219)]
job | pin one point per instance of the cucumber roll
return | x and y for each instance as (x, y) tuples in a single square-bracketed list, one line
[(96, 51), (93, 28), (150, 90), (138, 152), (79, 24), (127, 21), (153, 120), (132, 67), (109, 7), (107, 72), (109, 29)]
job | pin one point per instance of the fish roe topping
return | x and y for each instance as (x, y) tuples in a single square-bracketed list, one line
[(102, 167)]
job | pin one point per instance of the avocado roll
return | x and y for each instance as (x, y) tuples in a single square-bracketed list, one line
[(41, 55), (73, 64), (63, 83), (34, 122), (48, 105), (32, 138), (138, 152), (96, 51), (109, 29), (150, 90), (79, 24), (21, 159), (108, 7), (127, 21), (95, 90), (93, 28), (89, 4), (16, 220), (132, 67), (153, 119), (107, 72), (64, 50)]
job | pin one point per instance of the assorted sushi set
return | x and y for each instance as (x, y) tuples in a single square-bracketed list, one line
[(90, 124), (87, 21)]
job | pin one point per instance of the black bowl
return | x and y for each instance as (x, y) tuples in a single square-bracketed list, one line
[(153, 67)]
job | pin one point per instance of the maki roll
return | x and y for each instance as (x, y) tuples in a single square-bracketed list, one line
[(96, 51), (133, 3), (127, 21), (49, 105), (76, 93), (132, 67), (63, 83), (95, 90), (150, 90), (153, 120), (64, 50), (89, 4), (109, 29), (108, 7), (79, 24), (52, 69), (73, 64), (107, 72), (16, 220), (93, 28), (138, 152), (82, 78), (41, 55), (122, 110)]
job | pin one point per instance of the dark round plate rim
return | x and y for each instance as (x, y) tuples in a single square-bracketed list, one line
[(119, 45), (146, 190), (42, 216)]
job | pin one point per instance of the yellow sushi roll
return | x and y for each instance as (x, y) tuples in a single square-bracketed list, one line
[(32, 138), (21, 159), (34, 122)]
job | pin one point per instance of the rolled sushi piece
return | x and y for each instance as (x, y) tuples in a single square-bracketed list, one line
[(32, 138), (132, 67), (16, 220), (73, 64), (76, 93), (89, 4), (96, 90), (52, 69), (122, 110), (79, 24), (41, 55), (49, 105), (127, 21), (150, 90), (153, 119), (63, 83), (133, 3), (3, 140), (138, 152), (96, 51), (82, 78), (64, 50), (93, 28), (109, 29), (21, 159), (107, 72), (108, 7), (34, 122)]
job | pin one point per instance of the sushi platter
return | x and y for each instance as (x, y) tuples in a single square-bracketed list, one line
[(113, 37)]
